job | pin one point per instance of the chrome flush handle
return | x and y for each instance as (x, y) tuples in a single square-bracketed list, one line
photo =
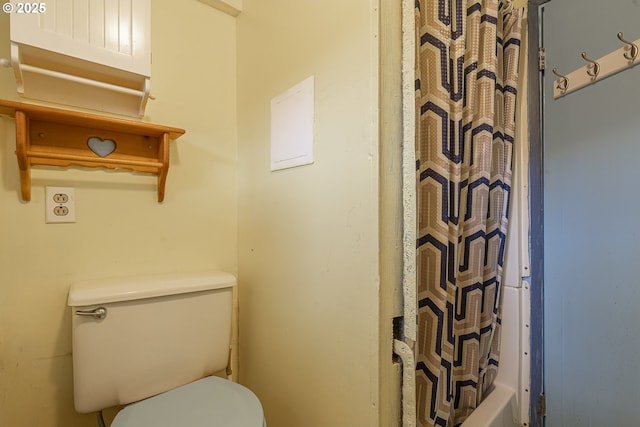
[(99, 313)]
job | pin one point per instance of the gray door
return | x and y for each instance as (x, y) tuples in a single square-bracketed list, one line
[(591, 164)]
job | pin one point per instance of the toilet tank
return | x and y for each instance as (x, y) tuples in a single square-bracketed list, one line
[(159, 332)]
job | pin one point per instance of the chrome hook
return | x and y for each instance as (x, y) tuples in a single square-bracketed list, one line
[(631, 47), (563, 83), (594, 68)]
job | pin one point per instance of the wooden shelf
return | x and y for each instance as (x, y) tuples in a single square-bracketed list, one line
[(54, 137)]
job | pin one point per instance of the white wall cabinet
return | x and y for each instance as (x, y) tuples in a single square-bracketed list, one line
[(88, 53)]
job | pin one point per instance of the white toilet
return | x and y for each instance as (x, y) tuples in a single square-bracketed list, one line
[(157, 341)]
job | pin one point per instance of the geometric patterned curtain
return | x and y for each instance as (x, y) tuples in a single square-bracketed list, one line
[(466, 81)]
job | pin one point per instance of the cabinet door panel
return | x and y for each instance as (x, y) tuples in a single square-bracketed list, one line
[(115, 33)]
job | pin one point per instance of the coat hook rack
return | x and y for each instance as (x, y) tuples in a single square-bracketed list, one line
[(596, 70)]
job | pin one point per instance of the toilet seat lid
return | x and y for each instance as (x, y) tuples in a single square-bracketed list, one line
[(208, 402)]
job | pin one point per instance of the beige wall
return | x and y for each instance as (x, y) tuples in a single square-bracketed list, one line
[(304, 241), (120, 228), (308, 236)]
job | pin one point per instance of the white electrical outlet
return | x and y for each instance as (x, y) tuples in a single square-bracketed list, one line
[(60, 205)]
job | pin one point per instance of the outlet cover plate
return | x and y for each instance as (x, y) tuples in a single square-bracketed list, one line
[(60, 205)]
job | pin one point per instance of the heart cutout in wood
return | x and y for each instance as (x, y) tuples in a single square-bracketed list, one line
[(102, 147)]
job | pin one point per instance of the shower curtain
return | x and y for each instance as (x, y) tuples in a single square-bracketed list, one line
[(466, 86)]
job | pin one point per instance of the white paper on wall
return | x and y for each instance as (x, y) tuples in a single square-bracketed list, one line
[(292, 126)]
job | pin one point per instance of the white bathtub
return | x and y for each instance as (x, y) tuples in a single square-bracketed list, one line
[(499, 409)]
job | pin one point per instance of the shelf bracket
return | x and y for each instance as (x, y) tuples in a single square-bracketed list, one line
[(22, 138)]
